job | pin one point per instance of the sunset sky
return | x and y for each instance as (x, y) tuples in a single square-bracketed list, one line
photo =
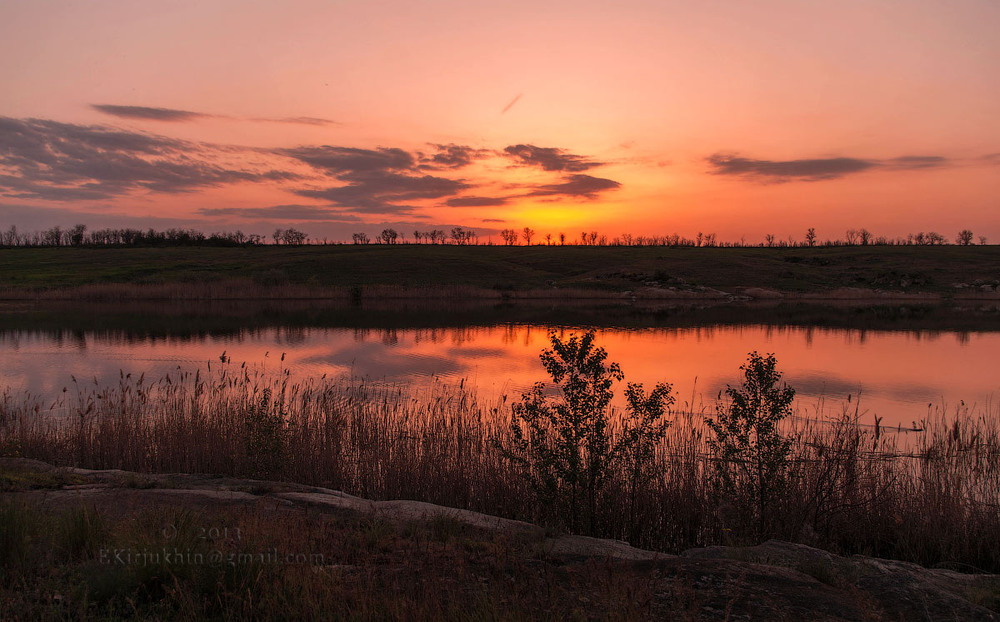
[(656, 117)]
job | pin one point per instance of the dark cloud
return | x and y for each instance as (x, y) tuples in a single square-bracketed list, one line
[(577, 186), (149, 114), (476, 201), (55, 161), (382, 191), (453, 156), (283, 212), (383, 180), (818, 169), (340, 160), (781, 170), (549, 158), (48, 160)]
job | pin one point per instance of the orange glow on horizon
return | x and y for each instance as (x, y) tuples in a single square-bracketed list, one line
[(884, 116)]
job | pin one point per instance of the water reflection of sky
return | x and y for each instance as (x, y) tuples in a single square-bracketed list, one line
[(897, 374)]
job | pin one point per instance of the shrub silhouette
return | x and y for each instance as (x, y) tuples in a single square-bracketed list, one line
[(563, 443), (644, 429), (751, 452), (266, 436)]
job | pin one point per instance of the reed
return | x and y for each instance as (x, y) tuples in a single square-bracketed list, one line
[(933, 499)]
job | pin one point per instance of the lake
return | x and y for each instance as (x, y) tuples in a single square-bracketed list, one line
[(902, 364)]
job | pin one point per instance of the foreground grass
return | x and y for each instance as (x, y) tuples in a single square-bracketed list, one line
[(853, 490), (345, 270)]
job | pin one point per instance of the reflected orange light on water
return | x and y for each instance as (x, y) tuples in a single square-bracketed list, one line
[(896, 374)]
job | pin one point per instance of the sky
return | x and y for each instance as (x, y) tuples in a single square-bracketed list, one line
[(741, 119)]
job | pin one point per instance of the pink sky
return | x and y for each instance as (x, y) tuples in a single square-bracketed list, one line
[(741, 119)]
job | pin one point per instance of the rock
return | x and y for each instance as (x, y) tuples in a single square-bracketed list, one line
[(900, 590)]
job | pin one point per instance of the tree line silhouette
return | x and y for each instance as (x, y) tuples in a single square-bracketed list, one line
[(78, 235)]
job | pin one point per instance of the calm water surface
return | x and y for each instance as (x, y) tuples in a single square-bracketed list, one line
[(903, 376)]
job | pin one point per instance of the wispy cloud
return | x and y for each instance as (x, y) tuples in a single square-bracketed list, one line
[(148, 113), (778, 170), (510, 104), (909, 163), (173, 115)]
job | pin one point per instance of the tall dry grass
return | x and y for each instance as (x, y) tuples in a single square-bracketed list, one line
[(934, 500)]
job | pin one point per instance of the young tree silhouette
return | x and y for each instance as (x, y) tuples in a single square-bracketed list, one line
[(563, 443), (751, 451)]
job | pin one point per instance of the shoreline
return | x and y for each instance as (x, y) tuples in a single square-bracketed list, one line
[(246, 290)]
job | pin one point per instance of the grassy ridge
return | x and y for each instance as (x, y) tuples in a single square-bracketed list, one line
[(898, 268)]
